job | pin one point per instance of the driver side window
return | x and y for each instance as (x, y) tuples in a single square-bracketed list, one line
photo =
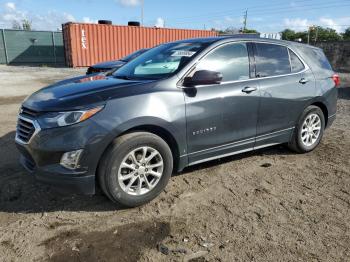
[(231, 60)]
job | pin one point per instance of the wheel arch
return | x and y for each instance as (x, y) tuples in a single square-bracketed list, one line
[(324, 109), (159, 127), (162, 133)]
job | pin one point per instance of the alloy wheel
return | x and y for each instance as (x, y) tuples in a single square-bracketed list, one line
[(311, 130), (140, 171)]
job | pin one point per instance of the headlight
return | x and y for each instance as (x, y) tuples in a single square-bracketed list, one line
[(58, 119)]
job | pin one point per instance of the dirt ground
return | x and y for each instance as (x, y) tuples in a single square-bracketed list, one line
[(269, 205)]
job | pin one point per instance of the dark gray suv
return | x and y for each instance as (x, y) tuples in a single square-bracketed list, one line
[(176, 105)]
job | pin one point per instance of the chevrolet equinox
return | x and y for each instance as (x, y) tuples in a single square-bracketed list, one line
[(176, 105)]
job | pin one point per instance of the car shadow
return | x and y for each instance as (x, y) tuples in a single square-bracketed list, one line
[(21, 193)]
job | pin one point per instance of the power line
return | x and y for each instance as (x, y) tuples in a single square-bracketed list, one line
[(314, 7), (256, 10), (235, 10), (279, 10), (308, 25)]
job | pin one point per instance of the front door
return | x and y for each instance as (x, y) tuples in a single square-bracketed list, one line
[(222, 118)]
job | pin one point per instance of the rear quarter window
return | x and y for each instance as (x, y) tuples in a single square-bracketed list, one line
[(321, 59), (315, 58)]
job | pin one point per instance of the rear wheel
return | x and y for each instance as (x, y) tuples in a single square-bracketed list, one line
[(136, 168), (309, 130)]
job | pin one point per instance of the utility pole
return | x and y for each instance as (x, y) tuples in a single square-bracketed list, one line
[(142, 10), (316, 34), (245, 20), (311, 28)]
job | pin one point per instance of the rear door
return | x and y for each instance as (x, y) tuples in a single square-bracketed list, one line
[(222, 118), (286, 86)]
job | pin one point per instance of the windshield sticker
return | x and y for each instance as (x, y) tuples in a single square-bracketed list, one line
[(183, 53)]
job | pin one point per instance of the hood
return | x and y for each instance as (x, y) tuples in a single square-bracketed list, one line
[(109, 64), (81, 92)]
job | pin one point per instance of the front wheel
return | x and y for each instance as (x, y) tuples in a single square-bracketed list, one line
[(309, 130), (136, 168)]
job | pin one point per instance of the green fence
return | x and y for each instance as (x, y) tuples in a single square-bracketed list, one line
[(31, 47)]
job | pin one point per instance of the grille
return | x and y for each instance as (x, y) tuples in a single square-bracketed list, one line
[(25, 130), (26, 112)]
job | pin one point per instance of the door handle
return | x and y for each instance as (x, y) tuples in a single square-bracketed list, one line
[(249, 89), (303, 81)]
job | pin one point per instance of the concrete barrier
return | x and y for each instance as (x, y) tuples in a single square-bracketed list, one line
[(338, 53)]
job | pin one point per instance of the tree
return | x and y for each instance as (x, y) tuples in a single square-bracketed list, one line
[(301, 35), (314, 34), (346, 34), (27, 25), (249, 31), (291, 35), (233, 31), (288, 34), (319, 33), (16, 25)]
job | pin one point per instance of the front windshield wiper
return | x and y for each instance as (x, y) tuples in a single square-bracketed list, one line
[(123, 77)]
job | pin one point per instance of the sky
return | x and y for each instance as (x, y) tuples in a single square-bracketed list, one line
[(265, 16)]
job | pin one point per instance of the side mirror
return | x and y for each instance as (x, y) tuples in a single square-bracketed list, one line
[(203, 77)]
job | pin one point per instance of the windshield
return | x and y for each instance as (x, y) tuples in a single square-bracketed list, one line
[(161, 61), (133, 55)]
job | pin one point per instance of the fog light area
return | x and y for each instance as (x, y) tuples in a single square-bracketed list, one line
[(71, 159)]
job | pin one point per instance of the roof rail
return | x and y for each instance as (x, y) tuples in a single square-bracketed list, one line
[(249, 35)]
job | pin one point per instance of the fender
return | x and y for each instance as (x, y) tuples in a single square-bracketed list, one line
[(178, 135), (318, 100)]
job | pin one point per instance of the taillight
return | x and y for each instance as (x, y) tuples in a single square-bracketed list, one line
[(336, 80)]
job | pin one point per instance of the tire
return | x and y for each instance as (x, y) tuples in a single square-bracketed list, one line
[(119, 152), (298, 142)]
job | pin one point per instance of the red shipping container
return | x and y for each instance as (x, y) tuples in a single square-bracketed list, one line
[(88, 44)]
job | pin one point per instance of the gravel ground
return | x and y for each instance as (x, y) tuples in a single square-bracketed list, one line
[(269, 205)]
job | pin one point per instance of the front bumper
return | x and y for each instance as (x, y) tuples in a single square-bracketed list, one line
[(42, 156), (59, 178)]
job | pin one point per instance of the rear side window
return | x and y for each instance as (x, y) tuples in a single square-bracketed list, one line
[(295, 62), (231, 60), (272, 60)]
